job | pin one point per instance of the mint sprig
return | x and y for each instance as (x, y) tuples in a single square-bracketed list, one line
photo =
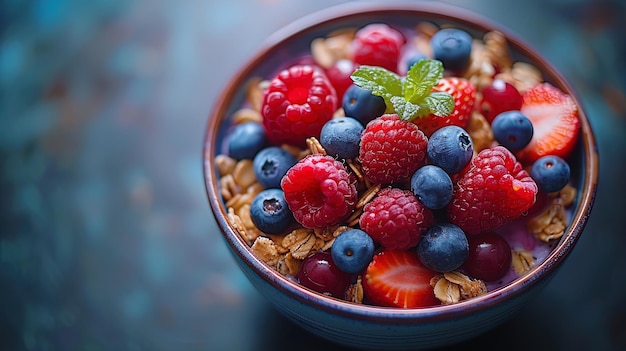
[(411, 96)]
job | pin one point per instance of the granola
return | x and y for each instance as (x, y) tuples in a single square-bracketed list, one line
[(452, 287), (522, 261), (552, 222)]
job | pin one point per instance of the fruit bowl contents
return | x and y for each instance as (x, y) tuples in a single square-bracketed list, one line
[(390, 150), (404, 161)]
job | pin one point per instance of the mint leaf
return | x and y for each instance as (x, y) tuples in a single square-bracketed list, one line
[(379, 81), (439, 103), (421, 79), (410, 97), (406, 110)]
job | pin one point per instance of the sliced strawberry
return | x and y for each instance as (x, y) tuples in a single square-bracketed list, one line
[(464, 94), (554, 116), (396, 278)]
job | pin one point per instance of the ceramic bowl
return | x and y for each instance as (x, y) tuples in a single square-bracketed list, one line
[(365, 326)]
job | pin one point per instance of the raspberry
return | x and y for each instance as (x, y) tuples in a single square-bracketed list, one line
[(297, 103), (319, 191), (378, 45), (494, 190), (392, 149), (395, 219)]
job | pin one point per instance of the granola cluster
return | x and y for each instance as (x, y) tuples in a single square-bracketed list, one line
[(285, 253), (452, 287)]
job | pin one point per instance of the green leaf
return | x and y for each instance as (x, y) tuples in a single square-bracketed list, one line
[(421, 79), (406, 110), (411, 96), (380, 81), (439, 103)]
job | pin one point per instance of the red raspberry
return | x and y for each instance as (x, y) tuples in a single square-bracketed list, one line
[(378, 44), (319, 191), (395, 219), (464, 94), (494, 190), (297, 103), (392, 149)]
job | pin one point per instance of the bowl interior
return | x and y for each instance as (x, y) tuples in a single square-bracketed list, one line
[(293, 41)]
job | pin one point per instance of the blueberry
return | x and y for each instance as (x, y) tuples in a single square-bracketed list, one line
[(452, 47), (352, 250), (340, 137), (551, 173), (271, 164), (512, 130), (246, 139), (413, 59), (269, 211), (360, 104), (443, 248), (432, 186), (450, 148)]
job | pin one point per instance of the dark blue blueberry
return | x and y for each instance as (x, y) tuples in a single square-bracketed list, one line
[(512, 129), (432, 186), (271, 164), (360, 104), (450, 148), (246, 139), (340, 137), (551, 173), (413, 59), (352, 250), (443, 248), (452, 47), (269, 211)]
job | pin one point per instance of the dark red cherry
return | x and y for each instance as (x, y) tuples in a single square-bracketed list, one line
[(339, 76), (318, 272), (499, 97), (489, 256)]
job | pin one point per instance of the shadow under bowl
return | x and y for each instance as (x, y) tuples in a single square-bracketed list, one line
[(372, 327)]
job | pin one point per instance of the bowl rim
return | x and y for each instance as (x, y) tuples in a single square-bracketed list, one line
[(442, 12)]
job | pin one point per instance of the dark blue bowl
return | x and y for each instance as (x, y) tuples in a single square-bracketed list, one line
[(367, 326)]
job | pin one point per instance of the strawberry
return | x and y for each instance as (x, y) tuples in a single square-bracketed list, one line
[(396, 278), (556, 125), (464, 94)]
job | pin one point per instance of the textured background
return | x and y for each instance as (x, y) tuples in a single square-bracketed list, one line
[(106, 238)]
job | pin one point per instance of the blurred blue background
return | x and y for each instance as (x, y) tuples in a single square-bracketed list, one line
[(106, 238)]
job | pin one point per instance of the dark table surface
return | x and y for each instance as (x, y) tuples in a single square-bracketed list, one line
[(107, 241)]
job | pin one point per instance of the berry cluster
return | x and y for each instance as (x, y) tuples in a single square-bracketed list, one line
[(441, 200)]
